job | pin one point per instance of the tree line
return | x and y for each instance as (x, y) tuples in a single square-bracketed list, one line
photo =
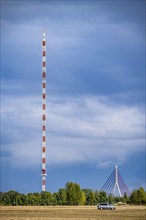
[(72, 194)]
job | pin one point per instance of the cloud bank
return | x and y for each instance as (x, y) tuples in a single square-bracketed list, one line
[(82, 129)]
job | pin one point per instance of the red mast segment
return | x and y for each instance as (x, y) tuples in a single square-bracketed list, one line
[(43, 173)]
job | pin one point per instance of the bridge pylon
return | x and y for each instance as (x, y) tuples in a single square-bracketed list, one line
[(115, 182)]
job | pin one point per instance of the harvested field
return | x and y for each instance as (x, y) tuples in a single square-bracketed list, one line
[(72, 213)]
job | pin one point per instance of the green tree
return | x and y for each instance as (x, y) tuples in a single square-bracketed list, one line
[(37, 198), (46, 198), (55, 199), (117, 199), (111, 199), (5, 199), (31, 199), (138, 196), (62, 197), (22, 199), (102, 196), (83, 198), (1, 198), (97, 198), (91, 198), (87, 193), (73, 194), (11, 197), (126, 198), (141, 195)]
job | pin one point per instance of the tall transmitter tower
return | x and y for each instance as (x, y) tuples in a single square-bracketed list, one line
[(43, 173)]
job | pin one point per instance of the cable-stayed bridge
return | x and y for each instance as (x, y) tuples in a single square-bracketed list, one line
[(115, 183)]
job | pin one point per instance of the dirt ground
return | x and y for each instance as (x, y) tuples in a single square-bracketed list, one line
[(72, 213)]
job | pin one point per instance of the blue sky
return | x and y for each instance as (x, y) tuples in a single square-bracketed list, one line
[(95, 93)]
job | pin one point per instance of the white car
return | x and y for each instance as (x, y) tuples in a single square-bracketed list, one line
[(105, 205)]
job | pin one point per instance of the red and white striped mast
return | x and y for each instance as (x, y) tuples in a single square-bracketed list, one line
[(43, 173)]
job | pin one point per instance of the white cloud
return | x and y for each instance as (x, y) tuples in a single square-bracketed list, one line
[(68, 26), (105, 164), (79, 130)]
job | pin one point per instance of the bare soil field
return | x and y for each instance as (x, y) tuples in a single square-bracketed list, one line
[(71, 213)]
